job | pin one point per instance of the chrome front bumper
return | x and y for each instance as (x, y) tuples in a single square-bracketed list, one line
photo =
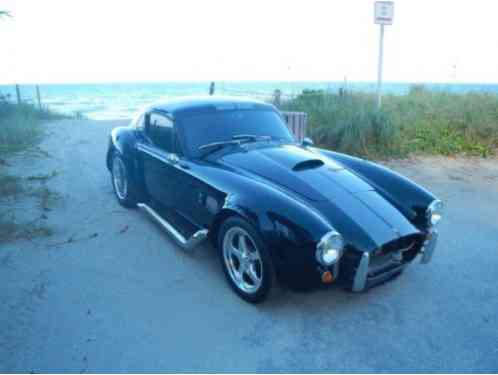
[(361, 278), (429, 246)]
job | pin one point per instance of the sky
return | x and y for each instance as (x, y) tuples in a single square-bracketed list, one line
[(72, 41)]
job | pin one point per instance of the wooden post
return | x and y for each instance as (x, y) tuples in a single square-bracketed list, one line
[(38, 97), (277, 98), (18, 94), (211, 88), (297, 123)]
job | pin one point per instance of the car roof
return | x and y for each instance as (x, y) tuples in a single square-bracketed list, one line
[(187, 104)]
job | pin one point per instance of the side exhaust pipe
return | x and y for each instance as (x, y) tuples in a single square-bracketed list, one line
[(185, 243)]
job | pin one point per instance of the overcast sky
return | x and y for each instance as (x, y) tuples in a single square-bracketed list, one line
[(53, 41)]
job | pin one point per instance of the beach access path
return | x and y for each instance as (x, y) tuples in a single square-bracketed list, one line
[(108, 291)]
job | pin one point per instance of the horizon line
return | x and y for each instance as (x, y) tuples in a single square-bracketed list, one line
[(243, 81)]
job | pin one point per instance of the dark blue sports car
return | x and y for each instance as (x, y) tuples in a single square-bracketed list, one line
[(228, 170)]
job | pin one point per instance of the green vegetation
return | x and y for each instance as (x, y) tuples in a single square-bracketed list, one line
[(20, 125), (32, 192), (20, 129), (421, 122), (10, 185)]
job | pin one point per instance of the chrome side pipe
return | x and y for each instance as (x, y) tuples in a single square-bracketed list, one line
[(185, 243)]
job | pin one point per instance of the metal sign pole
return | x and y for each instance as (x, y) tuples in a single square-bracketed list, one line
[(379, 72), (383, 15)]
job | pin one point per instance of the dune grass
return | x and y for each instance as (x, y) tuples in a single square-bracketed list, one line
[(20, 125), (20, 129), (421, 122)]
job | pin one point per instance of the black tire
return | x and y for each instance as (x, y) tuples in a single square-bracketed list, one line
[(127, 197), (266, 269)]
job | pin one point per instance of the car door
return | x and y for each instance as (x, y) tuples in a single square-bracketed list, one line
[(170, 178), (197, 201), (159, 159)]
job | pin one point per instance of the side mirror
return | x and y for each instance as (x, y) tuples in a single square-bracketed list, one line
[(307, 142)]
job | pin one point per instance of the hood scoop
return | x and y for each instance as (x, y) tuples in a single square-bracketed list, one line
[(308, 164), (290, 167)]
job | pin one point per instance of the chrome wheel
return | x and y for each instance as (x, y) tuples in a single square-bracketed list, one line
[(242, 260), (119, 178)]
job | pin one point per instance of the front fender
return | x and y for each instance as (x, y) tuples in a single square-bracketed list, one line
[(288, 226), (289, 229), (410, 198), (279, 218)]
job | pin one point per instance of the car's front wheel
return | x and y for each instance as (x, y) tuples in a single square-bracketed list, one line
[(124, 189), (245, 260)]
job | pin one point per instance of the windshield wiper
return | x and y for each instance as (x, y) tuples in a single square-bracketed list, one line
[(236, 140), (251, 138), (215, 146)]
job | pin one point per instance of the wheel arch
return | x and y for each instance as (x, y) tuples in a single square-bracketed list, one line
[(122, 142), (220, 217), (110, 152), (285, 224)]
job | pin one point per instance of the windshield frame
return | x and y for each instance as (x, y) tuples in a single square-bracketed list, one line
[(196, 154)]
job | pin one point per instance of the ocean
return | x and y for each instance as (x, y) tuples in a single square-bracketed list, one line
[(122, 100)]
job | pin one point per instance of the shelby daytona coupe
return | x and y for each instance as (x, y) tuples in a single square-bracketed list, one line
[(229, 171)]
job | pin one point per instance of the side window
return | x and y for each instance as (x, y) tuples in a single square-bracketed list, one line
[(160, 131), (139, 122)]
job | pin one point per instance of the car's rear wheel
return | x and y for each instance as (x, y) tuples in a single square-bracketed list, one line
[(124, 189), (245, 260)]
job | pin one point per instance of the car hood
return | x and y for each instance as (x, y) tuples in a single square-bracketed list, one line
[(347, 201)]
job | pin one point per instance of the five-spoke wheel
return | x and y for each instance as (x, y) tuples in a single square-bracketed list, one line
[(242, 259), (124, 189), (245, 259), (119, 178)]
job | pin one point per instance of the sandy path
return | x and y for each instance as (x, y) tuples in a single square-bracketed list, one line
[(122, 297)]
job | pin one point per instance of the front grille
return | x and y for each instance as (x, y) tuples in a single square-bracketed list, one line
[(385, 262), (403, 249)]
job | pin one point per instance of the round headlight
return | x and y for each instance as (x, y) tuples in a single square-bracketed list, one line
[(329, 249), (435, 212)]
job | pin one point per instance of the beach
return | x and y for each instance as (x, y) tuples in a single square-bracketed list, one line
[(108, 291), (108, 101)]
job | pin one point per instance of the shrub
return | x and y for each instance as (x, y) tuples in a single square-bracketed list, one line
[(419, 122), (20, 124)]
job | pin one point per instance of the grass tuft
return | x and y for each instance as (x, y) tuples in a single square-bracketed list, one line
[(12, 226), (20, 125), (10, 185), (43, 177)]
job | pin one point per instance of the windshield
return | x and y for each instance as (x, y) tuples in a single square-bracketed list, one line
[(219, 126)]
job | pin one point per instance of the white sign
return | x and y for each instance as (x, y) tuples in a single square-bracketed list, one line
[(384, 12)]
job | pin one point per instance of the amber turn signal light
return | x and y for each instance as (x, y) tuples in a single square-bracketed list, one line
[(327, 277)]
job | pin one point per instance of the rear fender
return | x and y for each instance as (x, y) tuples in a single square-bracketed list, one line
[(123, 142)]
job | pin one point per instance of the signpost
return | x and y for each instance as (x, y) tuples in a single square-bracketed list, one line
[(383, 15)]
